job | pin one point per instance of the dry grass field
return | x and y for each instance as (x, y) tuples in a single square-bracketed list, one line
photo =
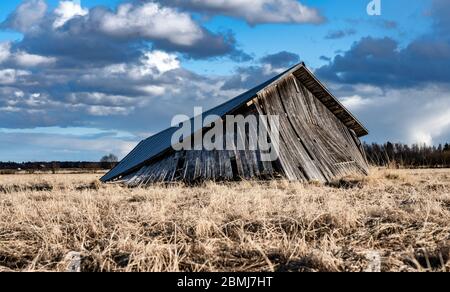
[(402, 216)]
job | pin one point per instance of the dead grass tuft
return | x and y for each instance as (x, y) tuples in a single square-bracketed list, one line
[(349, 183), (14, 188)]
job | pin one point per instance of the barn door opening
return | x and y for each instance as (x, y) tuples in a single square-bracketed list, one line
[(180, 166), (234, 168)]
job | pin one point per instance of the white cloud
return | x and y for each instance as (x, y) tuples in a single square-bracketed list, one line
[(151, 64), (160, 60), (10, 109), (102, 111), (269, 69), (115, 69), (432, 126), (407, 115), (30, 101), (19, 94), (367, 89), (152, 21), (5, 51), (30, 60), (259, 11), (22, 58), (152, 89), (423, 113), (99, 98), (67, 10), (10, 76), (27, 15), (355, 102)]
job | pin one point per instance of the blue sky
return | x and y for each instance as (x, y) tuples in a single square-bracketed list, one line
[(82, 79)]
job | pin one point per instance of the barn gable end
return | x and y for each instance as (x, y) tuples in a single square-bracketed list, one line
[(319, 140)]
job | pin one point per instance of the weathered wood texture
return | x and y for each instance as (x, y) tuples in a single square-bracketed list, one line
[(216, 165), (314, 145), (304, 76)]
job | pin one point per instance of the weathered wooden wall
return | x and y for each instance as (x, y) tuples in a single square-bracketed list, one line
[(314, 145), (217, 165)]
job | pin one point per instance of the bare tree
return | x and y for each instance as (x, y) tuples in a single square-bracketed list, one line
[(109, 161)]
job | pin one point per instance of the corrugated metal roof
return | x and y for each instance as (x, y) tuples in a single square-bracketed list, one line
[(161, 142)]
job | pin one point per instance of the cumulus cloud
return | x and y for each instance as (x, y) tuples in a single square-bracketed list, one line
[(99, 99), (151, 21), (5, 53), (431, 130), (21, 58), (161, 61), (355, 102), (67, 10), (103, 34), (30, 60), (408, 115), (381, 61), (12, 76), (104, 111), (27, 17), (255, 11), (122, 95)]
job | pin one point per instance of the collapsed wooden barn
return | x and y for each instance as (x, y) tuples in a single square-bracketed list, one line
[(318, 140)]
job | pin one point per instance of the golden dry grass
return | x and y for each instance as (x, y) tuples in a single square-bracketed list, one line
[(404, 215)]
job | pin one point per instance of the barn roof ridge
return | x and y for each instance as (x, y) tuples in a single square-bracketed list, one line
[(159, 143)]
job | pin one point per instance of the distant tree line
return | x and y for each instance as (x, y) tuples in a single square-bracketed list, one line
[(388, 154), (56, 165), (411, 156), (107, 162)]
